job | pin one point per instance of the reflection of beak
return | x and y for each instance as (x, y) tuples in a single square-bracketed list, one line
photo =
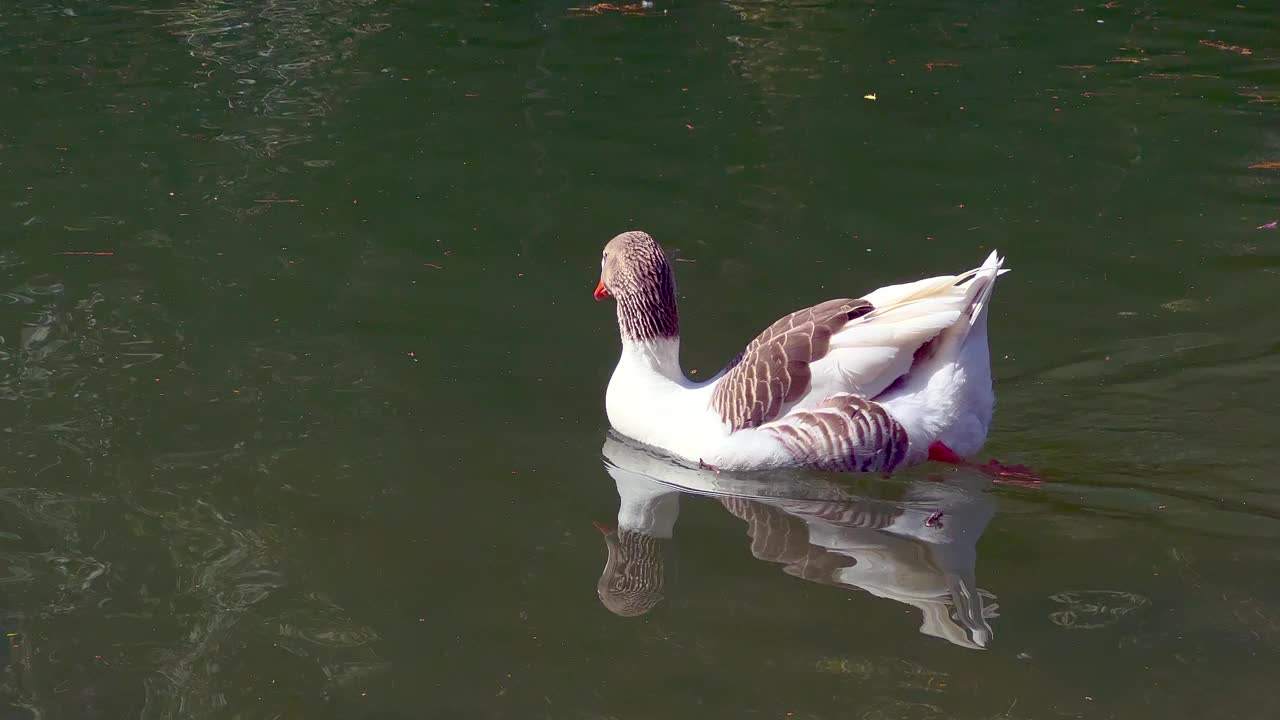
[(604, 529), (613, 550), (602, 292)]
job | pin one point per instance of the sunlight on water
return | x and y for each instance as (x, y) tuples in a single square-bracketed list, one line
[(282, 63)]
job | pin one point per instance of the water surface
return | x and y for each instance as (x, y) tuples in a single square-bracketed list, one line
[(315, 429)]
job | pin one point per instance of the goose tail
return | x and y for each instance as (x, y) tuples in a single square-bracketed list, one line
[(947, 394)]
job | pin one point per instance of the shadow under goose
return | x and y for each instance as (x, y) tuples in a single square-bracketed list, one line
[(919, 550)]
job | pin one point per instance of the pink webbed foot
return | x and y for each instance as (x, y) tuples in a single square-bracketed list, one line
[(938, 452), (708, 466), (999, 472)]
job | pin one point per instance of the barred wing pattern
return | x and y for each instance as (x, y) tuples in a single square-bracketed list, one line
[(844, 433), (774, 368)]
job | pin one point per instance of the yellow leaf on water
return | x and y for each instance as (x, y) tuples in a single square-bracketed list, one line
[(869, 96)]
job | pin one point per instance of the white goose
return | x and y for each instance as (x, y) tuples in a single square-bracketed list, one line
[(897, 377)]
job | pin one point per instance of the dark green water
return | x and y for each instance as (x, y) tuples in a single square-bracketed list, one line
[(339, 455)]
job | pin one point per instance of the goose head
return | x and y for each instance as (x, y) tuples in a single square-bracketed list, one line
[(635, 272)]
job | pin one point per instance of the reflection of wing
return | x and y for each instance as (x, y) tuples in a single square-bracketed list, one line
[(920, 551), (781, 538)]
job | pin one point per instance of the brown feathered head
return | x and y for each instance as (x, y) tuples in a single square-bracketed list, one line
[(635, 272)]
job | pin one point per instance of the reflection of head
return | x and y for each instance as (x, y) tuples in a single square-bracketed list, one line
[(631, 583)]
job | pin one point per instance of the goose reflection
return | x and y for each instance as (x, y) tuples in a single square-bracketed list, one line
[(919, 550)]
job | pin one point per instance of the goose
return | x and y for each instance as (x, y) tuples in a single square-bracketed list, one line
[(897, 377), (920, 550)]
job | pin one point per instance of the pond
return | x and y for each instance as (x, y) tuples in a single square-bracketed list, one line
[(303, 386)]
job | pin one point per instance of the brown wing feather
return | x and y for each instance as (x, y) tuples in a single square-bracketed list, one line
[(774, 369), (845, 433)]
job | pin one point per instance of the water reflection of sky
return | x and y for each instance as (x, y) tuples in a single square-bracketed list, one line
[(268, 73)]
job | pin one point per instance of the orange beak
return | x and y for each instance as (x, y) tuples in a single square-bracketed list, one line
[(601, 291)]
